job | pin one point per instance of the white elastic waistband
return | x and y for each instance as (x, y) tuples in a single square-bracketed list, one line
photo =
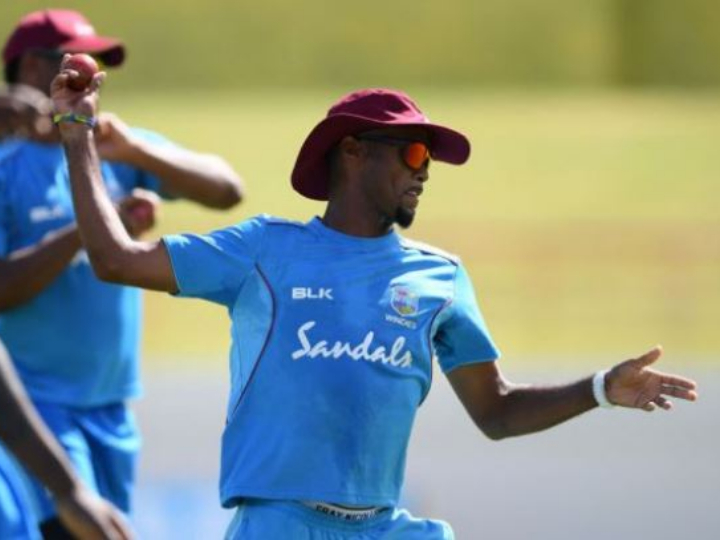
[(351, 513)]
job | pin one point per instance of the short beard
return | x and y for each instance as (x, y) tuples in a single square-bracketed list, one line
[(404, 217)]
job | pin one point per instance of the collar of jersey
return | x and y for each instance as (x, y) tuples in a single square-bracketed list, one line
[(371, 244)]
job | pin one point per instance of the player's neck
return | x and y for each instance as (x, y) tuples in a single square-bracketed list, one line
[(354, 220)]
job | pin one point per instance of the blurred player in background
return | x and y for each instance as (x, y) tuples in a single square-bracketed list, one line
[(23, 432), (335, 323), (74, 340)]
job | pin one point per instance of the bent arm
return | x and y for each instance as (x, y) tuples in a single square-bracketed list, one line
[(204, 178), (27, 272), (26, 436), (503, 409), (114, 255), (24, 433)]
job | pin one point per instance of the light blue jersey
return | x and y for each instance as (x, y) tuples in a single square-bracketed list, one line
[(76, 343), (332, 344)]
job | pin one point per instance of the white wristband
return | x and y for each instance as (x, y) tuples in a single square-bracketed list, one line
[(598, 387)]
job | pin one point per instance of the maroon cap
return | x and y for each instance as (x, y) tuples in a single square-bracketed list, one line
[(63, 30), (361, 111)]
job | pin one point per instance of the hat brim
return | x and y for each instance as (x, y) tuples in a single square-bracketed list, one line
[(310, 176), (110, 50)]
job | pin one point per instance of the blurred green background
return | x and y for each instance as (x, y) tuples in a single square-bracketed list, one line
[(588, 214), (210, 44)]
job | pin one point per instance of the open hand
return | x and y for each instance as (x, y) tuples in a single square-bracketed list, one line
[(634, 384)]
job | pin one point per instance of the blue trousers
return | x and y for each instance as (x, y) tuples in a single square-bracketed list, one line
[(18, 518), (103, 444)]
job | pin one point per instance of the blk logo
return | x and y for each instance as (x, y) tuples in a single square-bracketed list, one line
[(308, 293)]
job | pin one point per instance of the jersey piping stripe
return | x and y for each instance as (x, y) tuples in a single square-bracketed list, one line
[(430, 347), (265, 343)]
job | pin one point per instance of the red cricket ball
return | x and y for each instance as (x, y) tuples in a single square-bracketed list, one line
[(85, 66), (143, 211)]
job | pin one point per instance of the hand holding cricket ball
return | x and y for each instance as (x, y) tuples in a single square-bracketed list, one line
[(75, 89), (138, 211)]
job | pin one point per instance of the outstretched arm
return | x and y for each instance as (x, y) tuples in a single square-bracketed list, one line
[(504, 409), (114, 255), (24, 433)]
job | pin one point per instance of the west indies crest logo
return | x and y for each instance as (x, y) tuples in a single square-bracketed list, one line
[(404, 301)]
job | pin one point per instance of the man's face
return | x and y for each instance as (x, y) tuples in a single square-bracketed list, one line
[(39, 68), (390, 184)]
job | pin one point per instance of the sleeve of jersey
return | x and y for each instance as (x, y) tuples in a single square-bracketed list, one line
[(131, 177), (214, 266), (461, 335)]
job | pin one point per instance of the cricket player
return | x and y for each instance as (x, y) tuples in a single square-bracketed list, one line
[(335, 323), (74, 340), (23, 432)]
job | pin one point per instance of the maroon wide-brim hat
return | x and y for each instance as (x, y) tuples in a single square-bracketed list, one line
[(361, 111), (63, 30)]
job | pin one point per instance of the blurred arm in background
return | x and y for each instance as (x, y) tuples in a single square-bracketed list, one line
[(25, 113), (204, 178), (23, 432), (25, 273)]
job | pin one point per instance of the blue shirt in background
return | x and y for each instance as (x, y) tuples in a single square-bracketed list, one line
[(77, 342)]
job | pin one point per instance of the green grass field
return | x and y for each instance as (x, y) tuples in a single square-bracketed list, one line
[(589, 222)]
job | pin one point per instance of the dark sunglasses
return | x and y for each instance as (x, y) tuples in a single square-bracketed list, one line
[(48, 54), (415, 154)]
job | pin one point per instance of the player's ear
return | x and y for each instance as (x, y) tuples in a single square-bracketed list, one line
[(351, 154), (342, 155), (345, 160), (350, 147)]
